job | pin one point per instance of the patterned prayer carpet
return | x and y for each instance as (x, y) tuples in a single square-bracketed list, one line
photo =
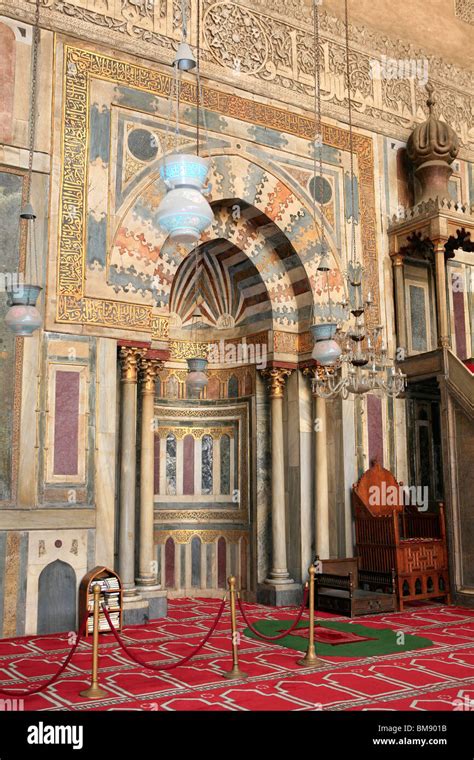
[(341, 639), (426, 679)]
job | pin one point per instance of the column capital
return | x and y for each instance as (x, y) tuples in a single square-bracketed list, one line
[(318, 372), (276, 378), (149, 368), (129, 358), (398, 259)]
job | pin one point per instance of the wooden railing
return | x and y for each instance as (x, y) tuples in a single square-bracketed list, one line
[(419, 526)]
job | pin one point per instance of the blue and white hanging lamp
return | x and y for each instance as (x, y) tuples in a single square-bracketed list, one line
[(184, 212)]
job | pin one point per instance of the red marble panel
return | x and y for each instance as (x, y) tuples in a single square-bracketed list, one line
[(375, 428), (169, 563), (7, 82), (66, 423), (188, 473), (221, 563)]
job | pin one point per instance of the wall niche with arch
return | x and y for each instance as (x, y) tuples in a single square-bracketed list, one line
[(57, 586)]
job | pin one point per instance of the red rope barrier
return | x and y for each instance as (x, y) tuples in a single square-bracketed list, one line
[(54, 678), (280, 635), (172, 664)]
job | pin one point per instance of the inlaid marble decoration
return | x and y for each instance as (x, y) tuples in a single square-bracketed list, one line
[(204, 468), (207, 454), (225, 464), (66, 423), (171, 465), (419, 336)]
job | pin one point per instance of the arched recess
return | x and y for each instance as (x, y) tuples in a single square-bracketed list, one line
[(57, 590), (268, 213)]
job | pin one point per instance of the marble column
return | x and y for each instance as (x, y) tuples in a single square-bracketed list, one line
[(129, 356), (400, 306), (321, 480), (146, 563), (441, 294), (279, 574)]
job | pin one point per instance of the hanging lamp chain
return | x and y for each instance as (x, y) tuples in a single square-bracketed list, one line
[(33, 98), (198, 78), (317, 114), (184, 19), (318, 136), (351, 135)]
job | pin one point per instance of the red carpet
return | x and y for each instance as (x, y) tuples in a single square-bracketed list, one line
[(428, 679)]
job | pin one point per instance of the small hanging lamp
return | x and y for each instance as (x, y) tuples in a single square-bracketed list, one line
[(22, 317), (184, 59), (196, 379)]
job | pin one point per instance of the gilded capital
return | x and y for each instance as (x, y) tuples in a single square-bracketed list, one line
[(129, 358), (397, 259), (276, 378), (318, 372), (149, 369)]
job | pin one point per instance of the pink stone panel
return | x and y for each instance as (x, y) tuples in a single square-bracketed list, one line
[(188, 473), (66, 423), (221, 563), (375, 428), (169, 563)]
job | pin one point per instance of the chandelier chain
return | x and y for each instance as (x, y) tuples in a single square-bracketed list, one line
[(33, 97), (351, 135), (318, 119)]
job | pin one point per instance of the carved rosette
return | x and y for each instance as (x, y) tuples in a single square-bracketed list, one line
[(149, 369), (276, 378), (129, 359)]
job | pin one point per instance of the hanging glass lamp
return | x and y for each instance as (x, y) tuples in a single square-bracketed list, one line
[(196, 379), (184, 213), (326, 350), (22, 317)]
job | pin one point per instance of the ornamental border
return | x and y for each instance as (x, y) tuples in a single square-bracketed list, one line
[(80, 66)]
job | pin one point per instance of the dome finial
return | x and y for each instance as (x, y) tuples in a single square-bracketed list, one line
[(432, 147)]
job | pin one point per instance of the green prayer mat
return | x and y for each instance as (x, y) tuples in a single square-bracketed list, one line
[(382, 640)]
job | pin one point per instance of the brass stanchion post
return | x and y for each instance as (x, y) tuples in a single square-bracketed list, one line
[(235, 672), (310, 659), (94, 691)]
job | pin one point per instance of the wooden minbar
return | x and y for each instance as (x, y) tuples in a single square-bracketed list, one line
[(390, 534)]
